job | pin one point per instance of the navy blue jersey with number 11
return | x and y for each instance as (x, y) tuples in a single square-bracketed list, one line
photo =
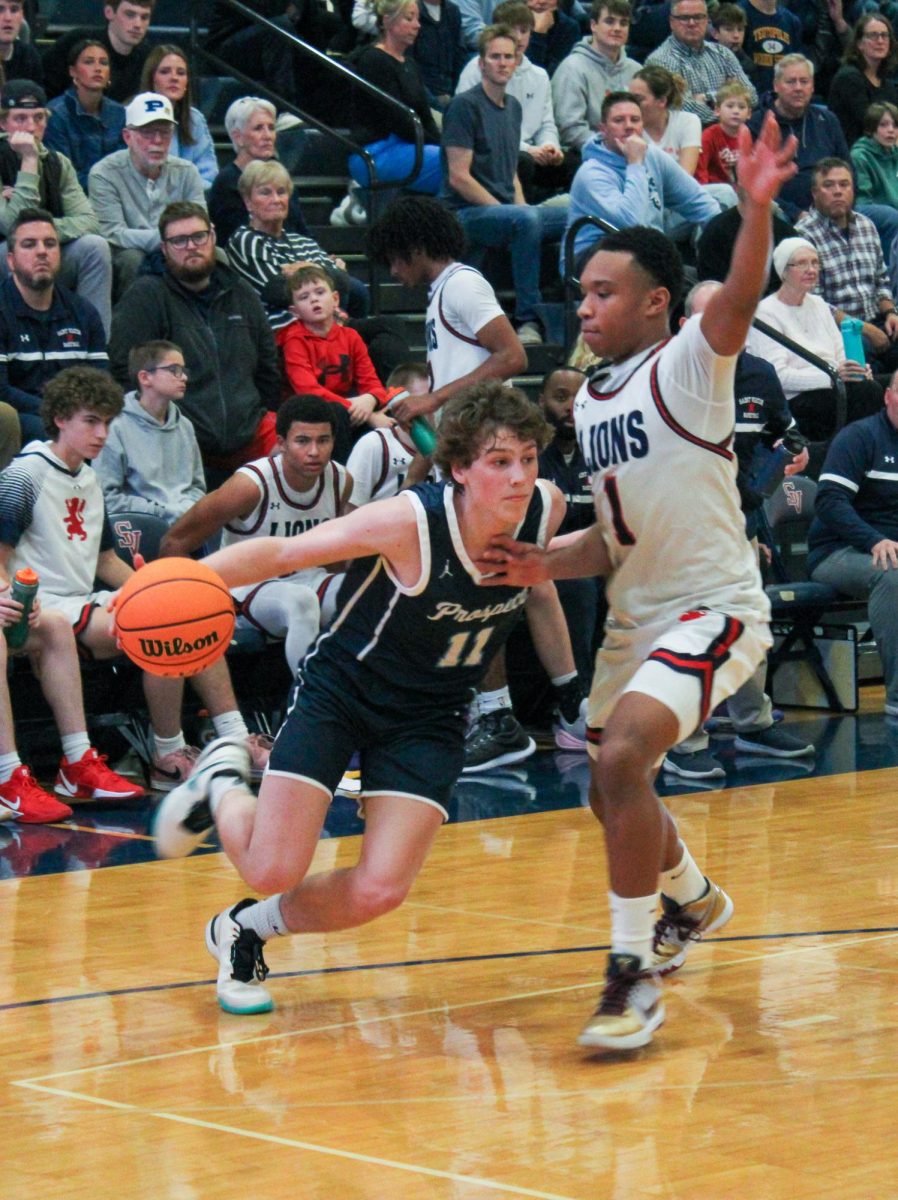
[(434, 640)]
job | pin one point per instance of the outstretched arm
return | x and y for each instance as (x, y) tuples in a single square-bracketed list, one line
[(520, 564), (388, 528), (761, 171)]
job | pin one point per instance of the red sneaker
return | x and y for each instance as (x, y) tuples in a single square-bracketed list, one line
[(91, 779), (23, 799)]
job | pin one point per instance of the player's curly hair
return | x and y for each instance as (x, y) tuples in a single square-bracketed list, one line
[(473, 417), (653, 252), (416, 223), (76, 389)]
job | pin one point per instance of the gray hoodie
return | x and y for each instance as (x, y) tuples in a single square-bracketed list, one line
[(580, 84), (150, 467)]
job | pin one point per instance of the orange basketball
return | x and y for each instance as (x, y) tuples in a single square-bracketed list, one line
[(174, 616)]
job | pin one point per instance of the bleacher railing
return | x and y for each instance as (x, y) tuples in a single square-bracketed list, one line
[(343, 77)]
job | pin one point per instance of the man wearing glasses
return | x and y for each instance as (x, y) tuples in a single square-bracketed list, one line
[(219, 323), (705, 66), (130, 188)]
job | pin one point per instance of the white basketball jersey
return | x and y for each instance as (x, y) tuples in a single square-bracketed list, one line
[(656, 432), (460, 303), (378, 464), (283, 512)]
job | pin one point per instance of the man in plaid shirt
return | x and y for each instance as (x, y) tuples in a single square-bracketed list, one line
[(853, 275), (705, 66)]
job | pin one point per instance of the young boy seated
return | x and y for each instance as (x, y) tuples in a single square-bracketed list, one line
[(324, 358), (151, 461), (719, 153), (295, 489), (385, 461), (728, 25), (52, 519)]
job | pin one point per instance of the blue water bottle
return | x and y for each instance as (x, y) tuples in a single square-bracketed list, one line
[(852, 340)]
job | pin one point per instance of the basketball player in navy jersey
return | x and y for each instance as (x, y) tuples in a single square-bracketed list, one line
[(391, 678), (687, 620)]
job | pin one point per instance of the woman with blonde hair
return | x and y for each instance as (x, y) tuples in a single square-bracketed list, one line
[(660, 94), (388, 136)]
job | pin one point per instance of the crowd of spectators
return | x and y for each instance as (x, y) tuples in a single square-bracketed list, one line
[(123, 228)]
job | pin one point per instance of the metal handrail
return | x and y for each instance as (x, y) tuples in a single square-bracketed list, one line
[(256, 87), (838, 383)]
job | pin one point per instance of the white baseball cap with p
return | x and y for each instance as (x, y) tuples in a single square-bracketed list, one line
[(147, 108)]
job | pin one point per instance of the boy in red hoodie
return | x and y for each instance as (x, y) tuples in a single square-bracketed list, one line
[(323, 358), (717, 161)]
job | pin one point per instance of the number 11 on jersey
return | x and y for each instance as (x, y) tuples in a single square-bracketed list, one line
[(466, 649)]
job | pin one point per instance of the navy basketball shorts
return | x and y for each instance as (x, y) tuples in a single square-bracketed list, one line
[(688, 664), (408, 745)]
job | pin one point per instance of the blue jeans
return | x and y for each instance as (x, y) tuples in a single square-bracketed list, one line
[(393, 159), (521, 229)]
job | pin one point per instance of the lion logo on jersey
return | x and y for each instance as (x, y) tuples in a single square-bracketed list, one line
[(74, 523)]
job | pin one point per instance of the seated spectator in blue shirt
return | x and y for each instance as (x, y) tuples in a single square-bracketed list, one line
[(43, 327), (85, 125), (626, 181), (166, 72), (853, 541), (554, 36), (816, 129), (771, 32)]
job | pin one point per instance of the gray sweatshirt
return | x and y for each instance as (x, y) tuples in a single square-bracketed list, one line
[(128, 205), (580, 84), (150, 467)]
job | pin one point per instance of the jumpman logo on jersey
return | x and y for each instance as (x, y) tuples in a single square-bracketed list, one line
[(74, 524), (446, 570)]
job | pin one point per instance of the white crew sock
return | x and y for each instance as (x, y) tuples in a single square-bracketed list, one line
[(230, 724), (684, 882), (633, 925), (8, 764), (488, 702), (75, 746), (163, 746), (264, 918)]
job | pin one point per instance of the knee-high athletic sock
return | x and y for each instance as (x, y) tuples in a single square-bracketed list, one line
[(264, 918), (633, 925), (684, 882)]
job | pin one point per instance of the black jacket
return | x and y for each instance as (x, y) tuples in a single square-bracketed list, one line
[(227, 344)]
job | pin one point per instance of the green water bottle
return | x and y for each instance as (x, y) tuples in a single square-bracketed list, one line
[(421, 431), (24, 589)]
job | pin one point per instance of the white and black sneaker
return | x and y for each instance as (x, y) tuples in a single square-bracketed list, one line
[(184, 817), (496, 740), (241, 966)]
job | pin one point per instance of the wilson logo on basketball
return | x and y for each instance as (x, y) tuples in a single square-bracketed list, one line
[(177, 647)]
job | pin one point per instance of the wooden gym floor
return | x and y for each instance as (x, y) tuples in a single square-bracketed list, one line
[(433, 1054)]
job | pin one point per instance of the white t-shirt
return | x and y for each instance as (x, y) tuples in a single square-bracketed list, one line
[(378, 465), (459, 305)]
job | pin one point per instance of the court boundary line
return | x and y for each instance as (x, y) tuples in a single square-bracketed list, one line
[(40, 1083), (296, 1144), (449, 960)]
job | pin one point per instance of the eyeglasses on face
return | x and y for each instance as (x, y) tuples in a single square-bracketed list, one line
[(180, 240), (882, 35), (690, 18), (177, 369)]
